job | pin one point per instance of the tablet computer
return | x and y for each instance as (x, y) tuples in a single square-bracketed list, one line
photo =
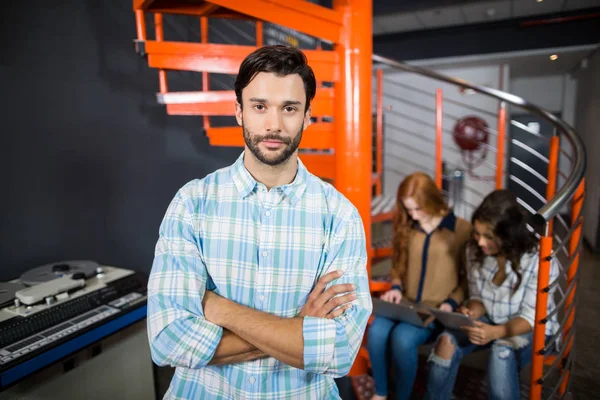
[(404, 311), (452, 320)]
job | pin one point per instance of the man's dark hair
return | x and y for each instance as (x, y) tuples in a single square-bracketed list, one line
[(280, 60)]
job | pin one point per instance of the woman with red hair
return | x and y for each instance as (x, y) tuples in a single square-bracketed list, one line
[(427, 269)]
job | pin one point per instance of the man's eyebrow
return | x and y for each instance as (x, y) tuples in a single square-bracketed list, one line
[(292, 103), (285, 103)]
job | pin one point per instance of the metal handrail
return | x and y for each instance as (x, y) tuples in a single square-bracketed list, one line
[(552, 207)]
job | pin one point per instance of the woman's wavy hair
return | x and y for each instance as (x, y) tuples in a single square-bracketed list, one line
[(508, 220), (428, 197)]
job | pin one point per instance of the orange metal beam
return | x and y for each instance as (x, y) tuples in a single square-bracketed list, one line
[(387, 216), (383, 252), (379, 166), (500, 146), (224, 58), (316, 136), (380, 286), (259, 33), (140, 25), (576, 223), (196, 11), (142, 4), (353, 105), (162, 74), (541, 310), (302, 16), (322, 165), (438, 137), (205, 83), (222, 102)]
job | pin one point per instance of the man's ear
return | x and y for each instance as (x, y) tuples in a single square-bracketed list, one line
[(238, 113), (307, 116)]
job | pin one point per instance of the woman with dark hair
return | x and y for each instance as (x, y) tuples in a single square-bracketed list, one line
[(502, 271), (428, 243)]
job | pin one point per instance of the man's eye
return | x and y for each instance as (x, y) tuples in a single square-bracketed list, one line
[(259, 107), (289, 109)]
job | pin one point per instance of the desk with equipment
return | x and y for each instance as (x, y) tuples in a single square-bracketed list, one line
[(53, 312)]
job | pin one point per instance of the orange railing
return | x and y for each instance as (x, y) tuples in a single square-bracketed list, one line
[(552, 361)]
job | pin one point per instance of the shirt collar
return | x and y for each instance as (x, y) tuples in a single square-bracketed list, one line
[(246, 184), (448, 222)]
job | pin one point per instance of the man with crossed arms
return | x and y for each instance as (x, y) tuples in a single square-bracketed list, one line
[(240, 297)]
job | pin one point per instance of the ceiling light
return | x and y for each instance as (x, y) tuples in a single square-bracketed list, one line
[(539, 1), (553, 57)]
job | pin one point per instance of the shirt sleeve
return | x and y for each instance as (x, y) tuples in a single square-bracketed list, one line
[(179, 335), (331, 345)]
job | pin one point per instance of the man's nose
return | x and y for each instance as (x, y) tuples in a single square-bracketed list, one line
[(273, 121)]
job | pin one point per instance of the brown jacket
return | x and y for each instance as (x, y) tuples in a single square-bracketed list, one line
[(442, 254)]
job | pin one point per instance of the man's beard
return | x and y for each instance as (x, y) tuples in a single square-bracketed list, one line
[(291, 144)]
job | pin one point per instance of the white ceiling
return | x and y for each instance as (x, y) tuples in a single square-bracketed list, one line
[(522, 64), (471, 13)]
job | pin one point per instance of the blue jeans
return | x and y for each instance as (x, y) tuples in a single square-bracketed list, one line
[(403, 338), (505, 361)]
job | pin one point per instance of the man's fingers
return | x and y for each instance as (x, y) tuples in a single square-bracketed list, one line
[(340, 288), (323, 282), (338, 312), (338, 301), (329, 277)]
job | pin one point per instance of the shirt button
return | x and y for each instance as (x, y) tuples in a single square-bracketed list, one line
[(268, 213), (261, 297), (265, 253), (252, 379)]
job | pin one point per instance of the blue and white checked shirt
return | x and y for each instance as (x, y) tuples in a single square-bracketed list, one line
[(264, 249), (501, 304)]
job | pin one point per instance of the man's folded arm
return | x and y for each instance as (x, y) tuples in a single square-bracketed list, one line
[(319, 345), (178, 333), (331, 345)]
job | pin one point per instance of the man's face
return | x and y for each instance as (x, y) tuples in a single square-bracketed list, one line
[(273, 116)]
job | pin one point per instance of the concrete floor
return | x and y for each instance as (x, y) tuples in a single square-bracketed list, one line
[(586, 380)]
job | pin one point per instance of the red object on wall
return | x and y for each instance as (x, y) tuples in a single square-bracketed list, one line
[(470, 133)]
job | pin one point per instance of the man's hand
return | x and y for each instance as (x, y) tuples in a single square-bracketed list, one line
[(392, 296), (482, 334), (322, 303)]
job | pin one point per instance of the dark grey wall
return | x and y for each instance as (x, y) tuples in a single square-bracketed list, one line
[(89, 160), (497, 37)]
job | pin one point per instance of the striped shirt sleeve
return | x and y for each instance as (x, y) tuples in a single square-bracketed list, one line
[(179, 335), (331, 345)]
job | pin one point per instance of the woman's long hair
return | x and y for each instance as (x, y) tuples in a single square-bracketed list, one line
[(508, 220), (428, 197)]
